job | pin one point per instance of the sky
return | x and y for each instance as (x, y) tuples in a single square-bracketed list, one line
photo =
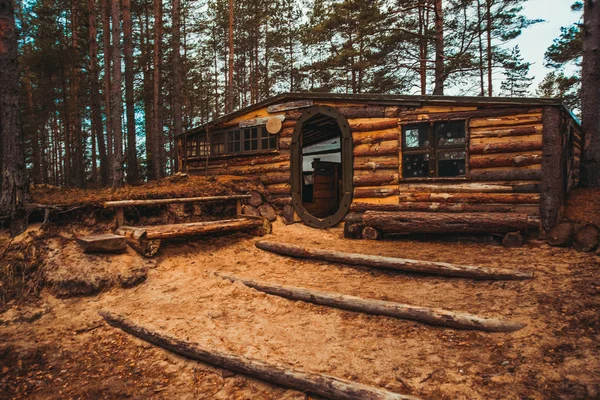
[(536, 39)]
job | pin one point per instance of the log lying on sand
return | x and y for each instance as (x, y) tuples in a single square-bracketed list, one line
[(586, 238), (402, 264), (137, 239), (102, 243), (561, 235), (157, 202), (320, 384), (427, 315)]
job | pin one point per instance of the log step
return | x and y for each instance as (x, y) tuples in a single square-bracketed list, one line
[(402, 264), (319, 384), (427, 315), (107, 243)]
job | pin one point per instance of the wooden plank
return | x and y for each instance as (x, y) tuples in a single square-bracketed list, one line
[(259, 121), (292, 105), (107, 243), (179, 200)]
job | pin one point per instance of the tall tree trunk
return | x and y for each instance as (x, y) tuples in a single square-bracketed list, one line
[(13, 184), (439, 49), (147, 91), (107, 87), (157, 125), (230, 79), (488, 30), (480, 45), (96, 112), (133, 174), (116, 99), (78, 157), (423, 43), (590, 94), (177, 75)]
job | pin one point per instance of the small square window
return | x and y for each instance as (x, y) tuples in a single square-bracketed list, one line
[(451, 163), (415, 165), (416, 136), (449, 133)]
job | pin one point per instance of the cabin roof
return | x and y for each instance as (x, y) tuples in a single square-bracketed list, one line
[(388, 99)]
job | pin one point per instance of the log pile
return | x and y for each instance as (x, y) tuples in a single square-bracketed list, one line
[(319, 384), (401, 264), (431, 316), (582, 238)]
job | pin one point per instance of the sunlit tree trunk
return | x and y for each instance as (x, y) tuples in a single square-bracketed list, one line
[(116, 99), (132, 162)]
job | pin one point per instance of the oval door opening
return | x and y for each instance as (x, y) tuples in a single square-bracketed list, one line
[(322, 167)]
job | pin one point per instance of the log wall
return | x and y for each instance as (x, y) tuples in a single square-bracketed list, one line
[(504, 159)]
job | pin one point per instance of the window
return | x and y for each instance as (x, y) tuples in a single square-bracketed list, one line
[(234, 141), (432, 150)]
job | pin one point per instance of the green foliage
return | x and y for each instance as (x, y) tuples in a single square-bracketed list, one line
[(516, 72)]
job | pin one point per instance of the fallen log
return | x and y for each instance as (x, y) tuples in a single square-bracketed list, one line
[(402, 264), (586, 237), (428, 222), (512, 239), (201, 228), (320, 384), (370, 233), (431, 316), (102, 243), (137, 239)]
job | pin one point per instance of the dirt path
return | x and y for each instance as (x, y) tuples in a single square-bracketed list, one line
[(70, 349)]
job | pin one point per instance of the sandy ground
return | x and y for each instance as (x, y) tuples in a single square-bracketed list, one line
[(69, 352)]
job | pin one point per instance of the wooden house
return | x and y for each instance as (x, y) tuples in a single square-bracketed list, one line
[(399, 164)]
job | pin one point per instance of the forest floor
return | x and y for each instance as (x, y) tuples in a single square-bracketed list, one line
[(61, 348)]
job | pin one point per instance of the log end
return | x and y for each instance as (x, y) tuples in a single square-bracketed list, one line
[(586, 238), (370, 233), (561, 235), (512, 239)]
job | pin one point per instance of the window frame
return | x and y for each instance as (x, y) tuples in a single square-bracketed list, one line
[(433, 150), (261, 133)]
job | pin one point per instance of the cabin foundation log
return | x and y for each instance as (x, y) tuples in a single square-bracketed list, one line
[(401, 264), (425, 222), (430, 316), (322, 385)]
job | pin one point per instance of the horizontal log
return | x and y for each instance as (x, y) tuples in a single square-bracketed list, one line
[(505, 175), (529, 209), (372, 124), (274, 178), (319, 384), (256, 160), (395, 111), (281, 201), (288, 124), (385, 191), (508, 132), (201, 228), (378, 149), (375, 136), (137, 239), (508, 120), (506, 147), (505, 160), (279, 189), (376, 163), (291, 105), (259, 121), (426, 315), (106, 243), (285, 143), (362, 111), (402, 264), (180, 200), (382, 177), (287, 132), (509, 198), (282, 166), (472, 187)]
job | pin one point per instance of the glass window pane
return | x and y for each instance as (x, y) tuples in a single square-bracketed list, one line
[(415, 165), (451, 163), (416, 136), (449, 133)]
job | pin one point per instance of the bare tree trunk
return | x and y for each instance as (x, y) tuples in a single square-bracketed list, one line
[(590, 94), (177, 74), (423, 8), (479, 33), (157, 126), (489, 44), (439, 49), (13, 184), (116, 99), (133, 174), (107, 87), (78, 162), (147, 91), (230, 79), (97, 130)]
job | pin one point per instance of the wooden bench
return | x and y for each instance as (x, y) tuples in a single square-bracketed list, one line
[(146, 239)]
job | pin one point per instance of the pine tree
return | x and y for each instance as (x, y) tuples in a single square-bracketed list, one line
[(516, 71)]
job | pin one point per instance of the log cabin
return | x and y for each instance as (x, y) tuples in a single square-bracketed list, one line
[(399, 164)]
